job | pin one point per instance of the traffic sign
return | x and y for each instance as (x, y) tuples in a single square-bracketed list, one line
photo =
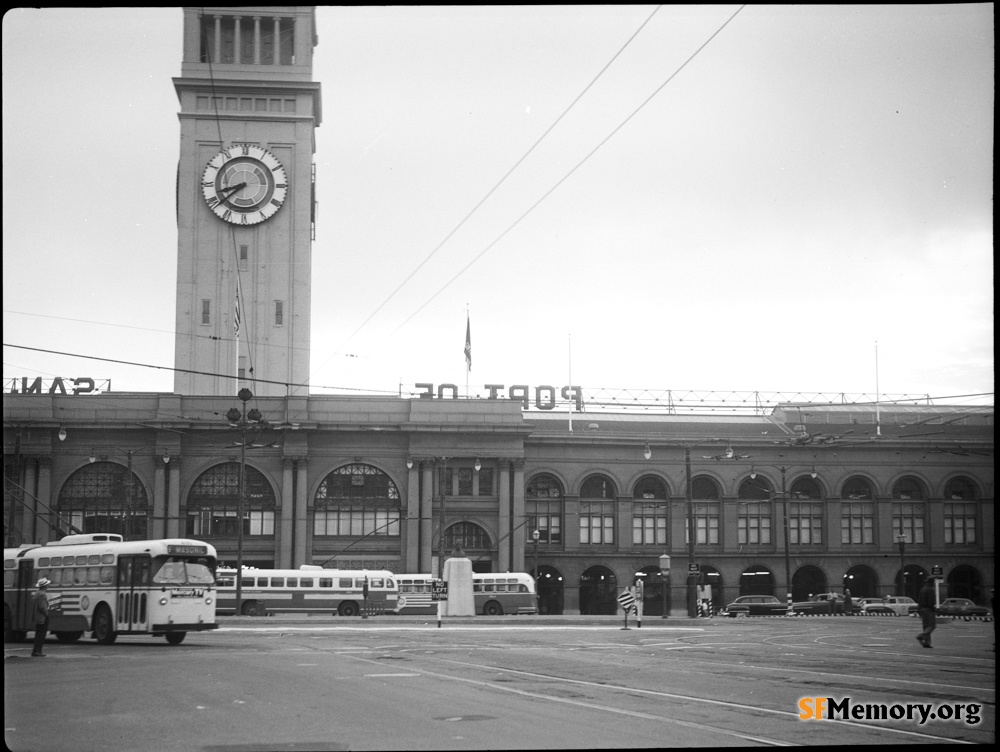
[(694, 569), (627, 601), (439, 590)]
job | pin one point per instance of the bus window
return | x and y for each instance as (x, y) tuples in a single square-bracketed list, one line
[(293, 582), (95, 559), (80, 574), (376, 582), (170, 570), (326, 582), (107, 575), (489, 588), (277, 582), (306, 582), (108, 559), (80, 560), (43, 562), (346, 582), (57, 561), (93, 575)]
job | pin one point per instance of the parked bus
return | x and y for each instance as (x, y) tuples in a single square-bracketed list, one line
[(309, 589), (109, 587), (494, 594)]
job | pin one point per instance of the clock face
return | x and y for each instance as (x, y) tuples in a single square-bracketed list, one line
[(244, 184)]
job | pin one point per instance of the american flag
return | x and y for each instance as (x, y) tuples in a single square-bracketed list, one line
[(236, 317), (468, 344)]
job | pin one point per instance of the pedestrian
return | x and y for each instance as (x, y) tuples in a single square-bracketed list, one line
[(40, 609), (926, 604), (848, 603)]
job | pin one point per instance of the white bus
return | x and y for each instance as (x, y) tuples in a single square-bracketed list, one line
[(309, 589), (494, 594), (109, 587)]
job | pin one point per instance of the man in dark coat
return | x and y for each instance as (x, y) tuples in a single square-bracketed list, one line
[(40, 611), (926, 603)]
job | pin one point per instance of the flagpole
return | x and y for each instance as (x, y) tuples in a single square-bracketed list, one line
[(569, 359), (468, 350)]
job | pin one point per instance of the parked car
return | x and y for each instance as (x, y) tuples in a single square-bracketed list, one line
[(961, 607), (822, 603), (756, 605), (900, 605)]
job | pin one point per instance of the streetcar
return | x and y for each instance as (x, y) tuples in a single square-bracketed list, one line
[(109, 587), (493, 594), (309, 589)]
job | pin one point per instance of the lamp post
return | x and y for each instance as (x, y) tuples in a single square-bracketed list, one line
[(692, 577), (665, 577), (535, 535), (784, 524), (243, 420), (901, 540)]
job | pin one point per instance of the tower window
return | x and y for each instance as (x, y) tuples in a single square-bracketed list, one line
[(206, 311), (279, 313)]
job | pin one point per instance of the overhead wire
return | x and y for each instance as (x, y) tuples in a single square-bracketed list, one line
[(562, 180), (502, 180)]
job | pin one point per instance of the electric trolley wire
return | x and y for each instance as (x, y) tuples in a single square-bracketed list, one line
[(502, 180), (563, 179)]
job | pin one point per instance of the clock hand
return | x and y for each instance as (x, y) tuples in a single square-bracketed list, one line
[(230, 190)]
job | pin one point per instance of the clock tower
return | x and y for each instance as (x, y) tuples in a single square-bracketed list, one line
[(245, 200)]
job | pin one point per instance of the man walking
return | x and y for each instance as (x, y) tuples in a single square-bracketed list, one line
[(40, 608), (926, 603)]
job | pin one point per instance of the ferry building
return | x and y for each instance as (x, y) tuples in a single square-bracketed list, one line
[(797, 498)]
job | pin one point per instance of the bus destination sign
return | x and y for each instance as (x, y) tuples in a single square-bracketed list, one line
[(181, 548)]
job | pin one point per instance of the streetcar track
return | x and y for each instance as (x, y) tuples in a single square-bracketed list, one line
[(584, 704)]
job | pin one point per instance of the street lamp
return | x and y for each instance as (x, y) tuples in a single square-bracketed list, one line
[(535, 535), (243, 420), (901, 540), (692, 595), (784, 524), (665, 577)]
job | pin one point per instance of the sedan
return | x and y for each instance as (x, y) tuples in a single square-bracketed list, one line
[(756, 605), (961, 607), (899, 605)]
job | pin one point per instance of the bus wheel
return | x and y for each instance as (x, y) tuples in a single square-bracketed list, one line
[(493, 609), (68, 636), (176, 638), (104, 631), (348, 608), (254, 608)]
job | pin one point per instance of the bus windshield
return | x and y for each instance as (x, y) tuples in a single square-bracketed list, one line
[(175, 570)]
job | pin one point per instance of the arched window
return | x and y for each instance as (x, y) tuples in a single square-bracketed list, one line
[(649, 512), (857, 489), (908, 509), (907, 489), (805, 488), (754, 518), (213, 504), (705, 510), (103, 498), (357, 500), (960, 489), (857, 512), (467, 535), (544, 507), (597, 511)]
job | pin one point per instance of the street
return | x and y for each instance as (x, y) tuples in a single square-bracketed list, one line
[(387, 683)]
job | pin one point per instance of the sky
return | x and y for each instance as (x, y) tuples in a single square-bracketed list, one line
[(783, 199)]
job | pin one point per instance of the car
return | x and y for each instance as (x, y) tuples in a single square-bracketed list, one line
[(899, 605), (821, 603), (960, 607), (756, 605)]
